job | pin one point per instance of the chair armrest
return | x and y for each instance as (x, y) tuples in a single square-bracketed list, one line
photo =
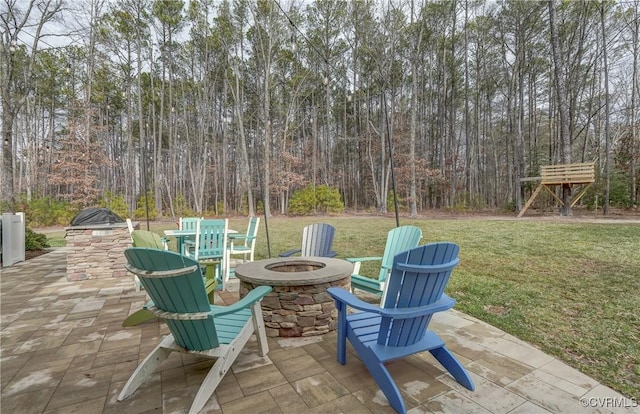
[(346, 297), (357, 261), (253, 296), (290, 253), (362, 259), (237, 236)]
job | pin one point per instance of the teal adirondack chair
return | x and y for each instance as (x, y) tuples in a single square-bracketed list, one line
[(399, 239), (177, 290), (242, 244), (317, 240), (399, 327)]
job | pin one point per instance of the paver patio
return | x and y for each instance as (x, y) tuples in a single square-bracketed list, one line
[(64, 350)]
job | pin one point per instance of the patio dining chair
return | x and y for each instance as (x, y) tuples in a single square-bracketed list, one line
[(187, 223), (242, 244), (210, 250)]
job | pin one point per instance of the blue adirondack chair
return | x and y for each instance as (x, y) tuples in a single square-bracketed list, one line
[(177, 290), (399, 239), (242, 244), (317, 240), (398, 328)]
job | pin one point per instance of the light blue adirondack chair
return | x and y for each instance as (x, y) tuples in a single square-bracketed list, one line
[(317, 240), (177, 290), (242, 244), (399, 239), (187, 223), (210, 248), (399, 327)]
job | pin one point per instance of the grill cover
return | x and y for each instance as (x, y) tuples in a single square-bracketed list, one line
[(96, 216)]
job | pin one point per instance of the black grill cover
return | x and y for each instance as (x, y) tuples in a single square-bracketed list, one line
[(96, 216)]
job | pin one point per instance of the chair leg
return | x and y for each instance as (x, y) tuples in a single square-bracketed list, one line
[(220, 368), (341, 333), (259, 329), (138, 317), (147, 367), (211, 281), (387, 385), (455, 368)]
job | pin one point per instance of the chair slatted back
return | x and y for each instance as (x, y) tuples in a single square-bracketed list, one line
[(252, 232), (399, 240), (211, 242), (317, 240), (144, 238), (418, 278), (188, 223), (176, 286)]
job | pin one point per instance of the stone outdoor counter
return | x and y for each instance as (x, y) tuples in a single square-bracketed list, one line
[(299, 304), (96, 251)]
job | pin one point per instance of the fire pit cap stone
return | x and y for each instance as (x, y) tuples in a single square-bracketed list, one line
[(278, 271)]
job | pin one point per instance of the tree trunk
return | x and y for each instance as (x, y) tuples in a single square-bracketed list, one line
[(607, 139), (563, 109)]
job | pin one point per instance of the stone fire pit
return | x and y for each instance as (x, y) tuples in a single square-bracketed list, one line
[(299, 304)]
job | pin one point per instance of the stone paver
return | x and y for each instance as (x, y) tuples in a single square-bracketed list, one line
[(63, 350)]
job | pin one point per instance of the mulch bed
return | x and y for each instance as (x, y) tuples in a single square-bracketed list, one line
[(30, 254)]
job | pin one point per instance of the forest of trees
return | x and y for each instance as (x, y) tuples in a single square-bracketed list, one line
[(230, 106)]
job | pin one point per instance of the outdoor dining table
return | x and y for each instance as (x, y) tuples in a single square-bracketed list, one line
[(180, 236)]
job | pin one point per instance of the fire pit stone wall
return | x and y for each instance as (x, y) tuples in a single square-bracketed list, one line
[(299, 304), (293, 311)]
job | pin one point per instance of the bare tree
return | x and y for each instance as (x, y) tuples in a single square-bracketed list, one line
[(14, 75), (563, 108), (606, 112)]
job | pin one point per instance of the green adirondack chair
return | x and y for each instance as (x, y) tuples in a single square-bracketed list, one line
[(144, 238), (399, 239), (177, 291), (399, 327)]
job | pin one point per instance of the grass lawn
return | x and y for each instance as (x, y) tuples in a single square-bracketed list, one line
[(570, 288)]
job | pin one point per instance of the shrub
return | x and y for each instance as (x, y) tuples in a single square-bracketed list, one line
[(115, 203), (391, 205), (181, 207), (322, 198), (47, 211), (34, 241), (619, 191), (141, 210)]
